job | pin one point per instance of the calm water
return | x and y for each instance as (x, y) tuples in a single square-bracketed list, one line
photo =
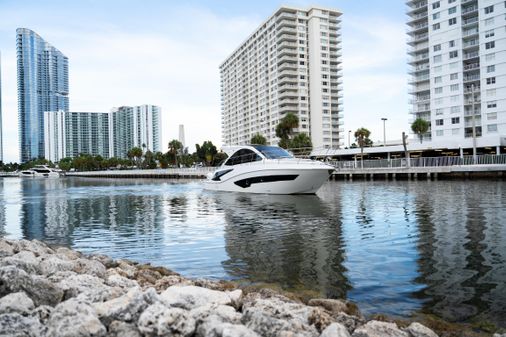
[(392, 247)]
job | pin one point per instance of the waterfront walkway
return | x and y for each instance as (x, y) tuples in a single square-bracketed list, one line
[(428, 167)]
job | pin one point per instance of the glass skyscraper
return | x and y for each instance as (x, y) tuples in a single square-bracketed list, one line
[(43, 85)]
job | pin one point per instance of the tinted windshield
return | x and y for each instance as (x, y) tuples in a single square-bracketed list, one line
[(273, 152)]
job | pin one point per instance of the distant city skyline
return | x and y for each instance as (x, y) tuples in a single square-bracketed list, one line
[(173, 62)]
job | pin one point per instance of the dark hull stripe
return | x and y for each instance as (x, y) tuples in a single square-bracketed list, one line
[(245, 183)]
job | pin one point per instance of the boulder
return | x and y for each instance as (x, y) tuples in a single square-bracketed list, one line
[(65, 253), (107, 261), (51, 264), (379, 329), (159, 320), (350, 322), (90, 267), (42, 313), (38, 288), (332, 305), (74, 318), (122, 329), (88, 288), (235, 330), (127, 307), (16, 302), (16, 325), (6, 248), (168, 281), (25, 260), (335, 330), (35, 246), (189, 297), (419, 330), (116, 280)]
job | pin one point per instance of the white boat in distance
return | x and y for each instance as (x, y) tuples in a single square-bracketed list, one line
[(267, 169), (42, 171)]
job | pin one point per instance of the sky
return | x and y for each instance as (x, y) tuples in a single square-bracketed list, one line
[(167, 53)]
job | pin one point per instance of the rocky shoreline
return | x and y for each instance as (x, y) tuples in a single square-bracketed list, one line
[(54, 291)]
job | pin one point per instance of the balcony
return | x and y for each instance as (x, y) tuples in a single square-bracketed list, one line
[(419, 88), (471, 66), (419, 27), (470, 9), (419, 67), (469, 122), (287, 37), (419, 78), (418, 47), (470, 32), (286, 23), (419, 58), (471, 43), (470, 21), (468, 132), (420, 99), (416, 6), (469, 89), (469, 111), (418, 38), (418, 16), (471, 78), (471, 55)]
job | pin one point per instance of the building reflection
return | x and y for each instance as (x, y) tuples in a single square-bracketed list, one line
[(462, 247), (67, 212), (293, 241)]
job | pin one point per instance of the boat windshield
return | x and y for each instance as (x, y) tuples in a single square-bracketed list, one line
[(272, 152)]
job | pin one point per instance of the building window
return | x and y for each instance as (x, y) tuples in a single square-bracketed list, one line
[(491, 69), (437, 47), (455, 109), (439, 133), (454, 76), (438, 79), (489, 33), (492, 104), (454, 87), (439, 112), (492, 116), (439, 122), (435, 16), (453, 54), (490, 45), (491, 92), (436, 26), (455, 131), (438, 101), (491, 80), (451, 1), (490, 57), (451, 43), (437, 58), (454, 98), (452, 10), (438, 69), (492, 128), (438, 90), (455, 120), (436, 5), (452, 21), (489, 9), (454, 65), (489, 21)]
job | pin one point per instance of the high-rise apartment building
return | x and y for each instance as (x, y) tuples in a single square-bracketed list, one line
[(290, 64), (69, 134), (43, 85), (458, 69), (137, 126), (181, 135), (108, 134)]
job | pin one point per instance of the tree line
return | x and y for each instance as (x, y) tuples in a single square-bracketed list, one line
[(206, 154)]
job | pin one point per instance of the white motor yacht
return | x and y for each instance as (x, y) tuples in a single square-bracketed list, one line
[(267, 169), (40, 171)]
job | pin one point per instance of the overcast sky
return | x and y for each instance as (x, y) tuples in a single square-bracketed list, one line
[(167, 53)]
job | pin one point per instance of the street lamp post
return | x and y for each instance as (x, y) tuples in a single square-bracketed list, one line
[(384, 131), (349, 138), (474, 125)]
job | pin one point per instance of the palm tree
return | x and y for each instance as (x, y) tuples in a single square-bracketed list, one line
[(174, 147), (420, 126), (285, 128), (258, 139), (136, 152), (362, 138)]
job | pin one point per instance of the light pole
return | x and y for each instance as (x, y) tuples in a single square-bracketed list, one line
[(349, 138), (474, 125), (384, 131)]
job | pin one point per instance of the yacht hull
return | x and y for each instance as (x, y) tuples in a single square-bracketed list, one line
[(271, 180)]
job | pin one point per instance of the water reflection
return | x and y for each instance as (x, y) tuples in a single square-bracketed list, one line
[(392, 247), (295, 241)]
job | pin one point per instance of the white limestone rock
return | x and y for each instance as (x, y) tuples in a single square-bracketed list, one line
[(65, 253), (88, 288), (122, 329), (419, 330), (189, 297), (35, 246), (6, 248), (16, 302), (127, 307), (116, 280), (38, 288), (90, 267), (74, 318), (25, 260), (335, 330), (160, 320), (379, 329), (16, 325), (51, 264)]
